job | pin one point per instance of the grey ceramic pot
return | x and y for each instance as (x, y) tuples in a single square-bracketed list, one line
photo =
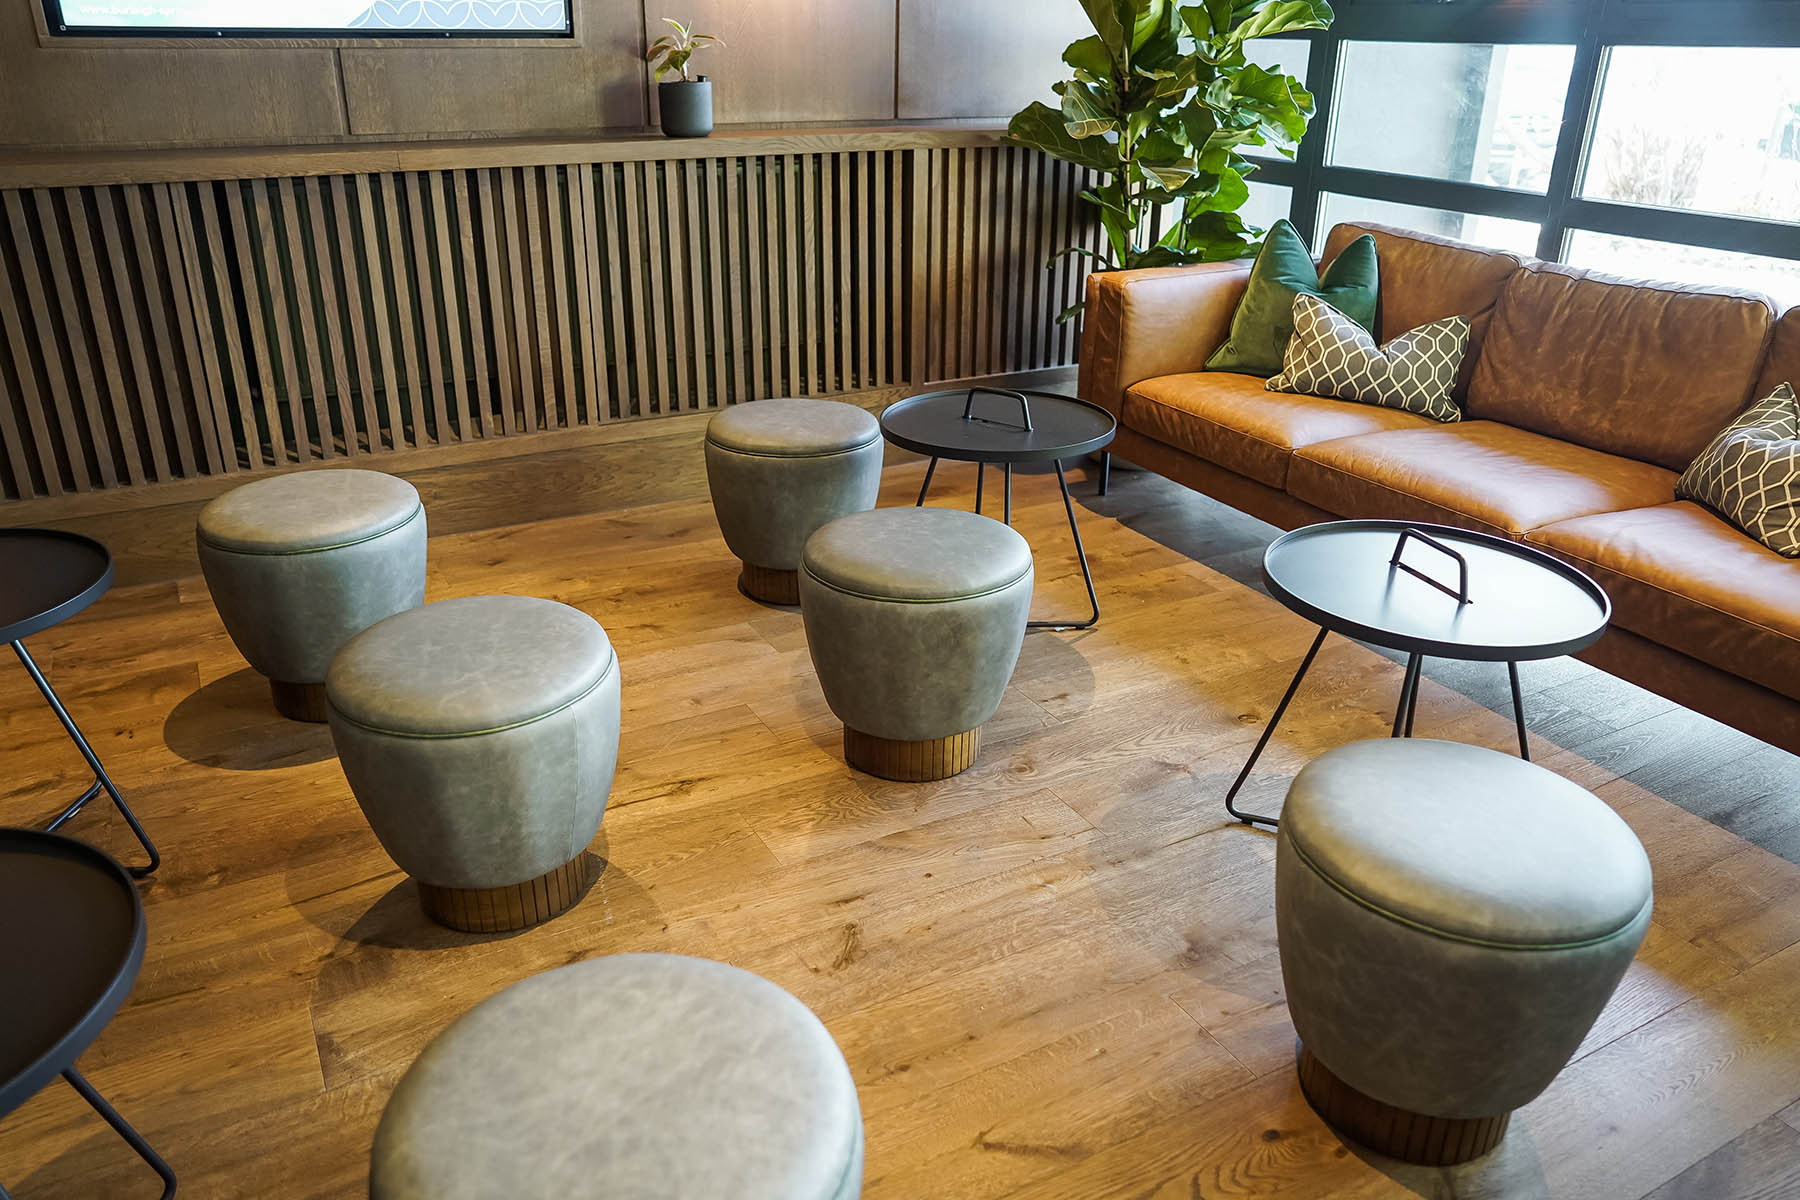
[(686, 107)]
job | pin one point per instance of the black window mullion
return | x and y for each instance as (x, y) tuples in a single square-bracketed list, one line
[(1744, 235), (1579, 107), (1321, 81), (1423, 191)]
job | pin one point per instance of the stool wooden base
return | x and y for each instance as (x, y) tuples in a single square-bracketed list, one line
[(1396, 1132), (912, 762), (769, 585), (516, 906), (299, 701)]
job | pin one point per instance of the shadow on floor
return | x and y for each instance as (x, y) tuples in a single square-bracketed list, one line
[(231, 724)]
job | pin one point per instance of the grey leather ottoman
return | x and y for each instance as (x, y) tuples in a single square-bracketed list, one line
[(480, 737), (914, 617), (779, 469), (297, 564), (1451, 920), (634, 1077)]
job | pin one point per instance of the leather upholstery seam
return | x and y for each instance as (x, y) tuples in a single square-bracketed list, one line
[(823, 582), (818, 454), (395, 528), (611, 667), (1336, 470), (1465, 939)]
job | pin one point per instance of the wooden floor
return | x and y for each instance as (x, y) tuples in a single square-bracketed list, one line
[(1053, 976)]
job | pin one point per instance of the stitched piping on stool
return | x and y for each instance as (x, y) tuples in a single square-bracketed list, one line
[(809, 454), (1463, 938), (823, 582), (415, 514), (611, 666)]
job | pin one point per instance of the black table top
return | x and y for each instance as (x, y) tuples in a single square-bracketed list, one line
[(933, 423), (71, 942), (1523, 604), (46, 577)]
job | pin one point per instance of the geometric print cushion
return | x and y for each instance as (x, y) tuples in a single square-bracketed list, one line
[(1750, 473), (1331, 355)]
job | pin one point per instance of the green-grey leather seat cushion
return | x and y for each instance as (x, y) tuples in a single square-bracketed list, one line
[(917, 554), (633, 1077), (307, 511), (469, 666), (1468, 842), (786, 427)]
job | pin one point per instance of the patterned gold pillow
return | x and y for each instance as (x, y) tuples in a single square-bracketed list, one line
[(1331, 355), (1750, 473)]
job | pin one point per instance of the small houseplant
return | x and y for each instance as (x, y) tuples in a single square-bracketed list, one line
[(685, 103), (1162, 104)]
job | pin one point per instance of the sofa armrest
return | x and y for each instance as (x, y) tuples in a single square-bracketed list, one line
[(1143, 324)]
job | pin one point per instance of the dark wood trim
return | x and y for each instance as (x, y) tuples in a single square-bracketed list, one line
[(1396, 1132), (515, 906), (770, 584), (300, 701), (912, 762)]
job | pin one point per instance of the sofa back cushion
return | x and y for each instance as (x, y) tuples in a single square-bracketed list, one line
[(1783, 363), (1649, 371), (1426, 278)]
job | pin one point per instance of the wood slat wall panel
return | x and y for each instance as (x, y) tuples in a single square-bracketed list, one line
[(151, 332)]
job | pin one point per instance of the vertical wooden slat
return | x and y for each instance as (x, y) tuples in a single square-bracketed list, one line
[(264, 445), (521, 314), (756, 266), (329, 295), (36, 416), (455, 301), (279, 319), (587, 288), (303, 300), (181, 396), (791, 294), (868, 218), (381, 286), (1037, 248), (87, 257), (642, 380), (722, 351), (403, 311), (811, 273), (191, 317), (825, 284), (888, 236), (555, 219), (505, 387), (731, 268), (610, 175), (683, 327), (476, 414), (1061, 239), (130, 321), (706, 347), (366, 384), (433, 365), (87, 388), (924, 238), (550, 404), (847, 309), (656, 266)]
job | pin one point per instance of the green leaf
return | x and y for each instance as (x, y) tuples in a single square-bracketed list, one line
[(1284, 17), (1147, 16), (1084, 116), (1270, 97), (1104, 16), (1228, 195), (1091, 57), (1041, 127)]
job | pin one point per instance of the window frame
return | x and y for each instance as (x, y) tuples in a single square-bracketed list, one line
[(1594, 28)]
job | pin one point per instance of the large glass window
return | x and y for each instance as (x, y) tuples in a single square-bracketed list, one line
[(1469, 113), (1518, 236), (1638, 258), (1711, 129)]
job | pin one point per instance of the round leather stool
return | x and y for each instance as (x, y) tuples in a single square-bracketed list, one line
[(298, 564), (1451, 922), (638, 1076), (914, 617), (779, 469), (480, 737)]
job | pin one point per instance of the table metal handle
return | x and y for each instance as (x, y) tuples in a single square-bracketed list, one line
[(1024, 404), (1461, 595)]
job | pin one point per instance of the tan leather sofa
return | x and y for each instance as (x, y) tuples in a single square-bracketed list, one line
[(1584, 397)]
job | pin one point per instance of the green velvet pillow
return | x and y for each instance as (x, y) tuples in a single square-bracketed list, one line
[(1264, 320)]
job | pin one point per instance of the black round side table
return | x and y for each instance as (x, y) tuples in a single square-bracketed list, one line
[(1427, 590), (46, 577), (993, 425), (68, 968)]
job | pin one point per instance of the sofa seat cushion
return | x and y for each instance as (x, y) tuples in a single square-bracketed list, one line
[(1683, 578), (1475, 473), (1236, 423)]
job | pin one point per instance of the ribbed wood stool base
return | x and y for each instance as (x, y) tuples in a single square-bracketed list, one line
[(912, 762), (1396, 1132), (299, 701), (516, 906), (769, 585)]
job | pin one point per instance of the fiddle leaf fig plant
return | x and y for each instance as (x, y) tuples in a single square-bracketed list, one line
[(675, 49), (1162, 103)]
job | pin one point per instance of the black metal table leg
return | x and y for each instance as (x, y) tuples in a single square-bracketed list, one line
[(980, 478), (1512, 674), (123, 1129), (1087, 576), (1105, 471), (1008, 508), (1268, 732), (1409, 696), (101, 779), (930, 470)]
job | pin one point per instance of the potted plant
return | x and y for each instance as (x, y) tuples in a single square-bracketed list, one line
[(685, 103), (1161, 105)]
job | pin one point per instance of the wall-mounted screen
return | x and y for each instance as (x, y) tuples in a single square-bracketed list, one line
[(310, 18)]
